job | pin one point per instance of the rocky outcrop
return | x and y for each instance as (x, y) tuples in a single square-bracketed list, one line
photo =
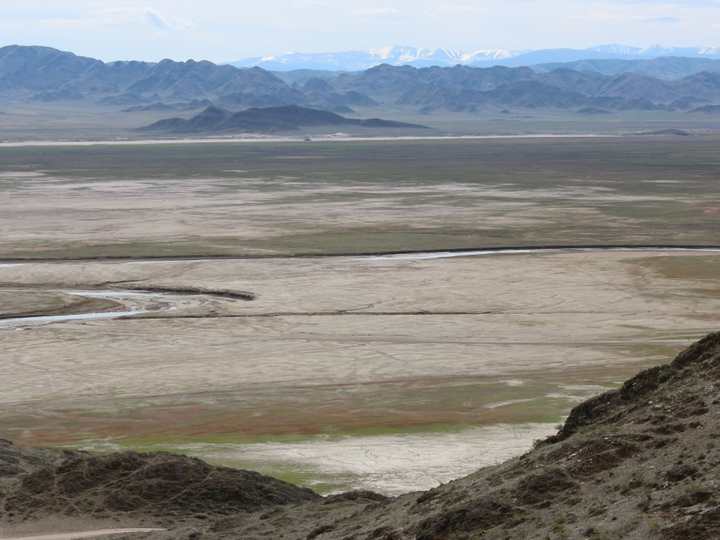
[(158, 484)]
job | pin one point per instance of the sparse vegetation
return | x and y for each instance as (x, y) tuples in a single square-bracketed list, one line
[(369, 196)]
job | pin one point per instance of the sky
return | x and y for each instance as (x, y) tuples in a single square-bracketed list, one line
[(227, 30)]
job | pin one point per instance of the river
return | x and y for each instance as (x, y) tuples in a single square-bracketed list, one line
[(138, 302)]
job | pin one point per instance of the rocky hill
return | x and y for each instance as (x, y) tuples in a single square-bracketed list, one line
[(638, 462)]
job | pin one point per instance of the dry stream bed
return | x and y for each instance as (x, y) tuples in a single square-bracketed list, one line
[(392, 374)]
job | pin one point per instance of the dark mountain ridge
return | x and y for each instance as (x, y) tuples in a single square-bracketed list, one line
[(42, 74), (45, 74), (447, 88), (638, 462)]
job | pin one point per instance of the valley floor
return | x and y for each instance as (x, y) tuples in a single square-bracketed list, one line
[(335, 376)]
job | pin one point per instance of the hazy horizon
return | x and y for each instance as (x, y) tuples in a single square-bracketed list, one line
[(223, 31)]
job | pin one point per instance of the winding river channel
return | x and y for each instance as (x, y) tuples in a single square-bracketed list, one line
[(136, 302)]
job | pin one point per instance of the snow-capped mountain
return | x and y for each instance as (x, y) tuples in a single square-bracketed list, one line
[(403, 55), (361, 60)]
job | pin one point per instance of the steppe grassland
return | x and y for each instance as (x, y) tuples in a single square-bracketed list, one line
[(70, 121), (345, 347), (350, 197)]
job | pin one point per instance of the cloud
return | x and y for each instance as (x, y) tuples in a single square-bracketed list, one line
[(163, 23), (157, 20), (459, 9), (374, 11), (661, 20), (379, 16), (604, 16), (134, 15)]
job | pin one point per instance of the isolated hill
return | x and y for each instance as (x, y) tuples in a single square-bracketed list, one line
[(265, 120), (639, 462)]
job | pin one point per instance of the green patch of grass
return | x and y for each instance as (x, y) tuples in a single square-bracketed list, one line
[(380, 409)]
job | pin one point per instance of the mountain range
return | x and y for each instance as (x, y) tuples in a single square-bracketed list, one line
[(412, 56), (40, 77)]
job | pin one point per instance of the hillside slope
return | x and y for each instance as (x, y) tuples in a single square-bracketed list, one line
[(638, 462)]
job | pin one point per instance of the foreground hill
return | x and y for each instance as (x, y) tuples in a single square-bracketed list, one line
[(638, 462)]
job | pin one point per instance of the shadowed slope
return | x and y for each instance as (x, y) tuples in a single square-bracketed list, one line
[(270, 119)]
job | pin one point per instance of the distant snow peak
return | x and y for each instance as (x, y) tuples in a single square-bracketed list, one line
[(491, 54), (398, 55), (615, 48)]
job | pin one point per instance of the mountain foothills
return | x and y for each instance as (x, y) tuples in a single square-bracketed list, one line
[(40, 77), (639, 462)]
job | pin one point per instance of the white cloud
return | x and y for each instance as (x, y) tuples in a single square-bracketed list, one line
[(134, 15), (374, 11), (661, 20), (164, 23), (634, 12), (460, 9)]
